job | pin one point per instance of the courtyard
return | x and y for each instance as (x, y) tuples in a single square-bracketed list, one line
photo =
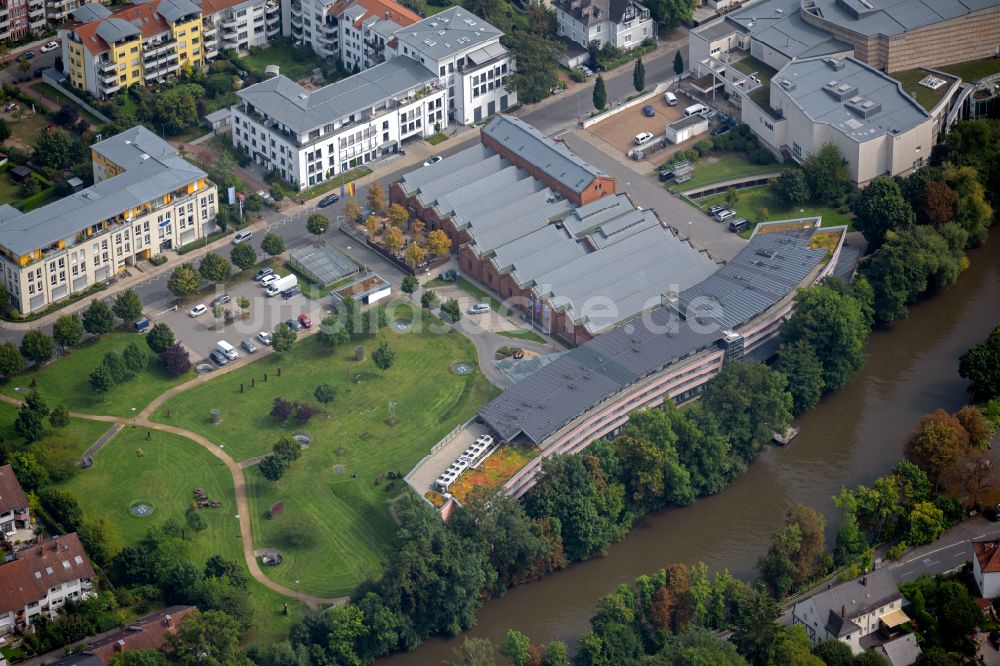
[(619, 130)]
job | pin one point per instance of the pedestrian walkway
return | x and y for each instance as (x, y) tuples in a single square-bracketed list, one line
[(102, 440)]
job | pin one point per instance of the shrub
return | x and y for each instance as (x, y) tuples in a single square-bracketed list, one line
[(281, 409), (158, 260), (275, 509), (704, 147), (303, 412), (176, 360)]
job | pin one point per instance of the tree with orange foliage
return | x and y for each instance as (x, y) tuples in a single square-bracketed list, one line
[(938, 442), (438, 243), (980, 432), (393, 239)]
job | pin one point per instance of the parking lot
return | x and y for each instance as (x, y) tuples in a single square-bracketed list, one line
[(620, 129), (200, 335)]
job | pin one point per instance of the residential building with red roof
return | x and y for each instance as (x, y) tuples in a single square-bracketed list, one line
[(986, 567), (15, 518), (41, 578), (240, 24), (146, 633)]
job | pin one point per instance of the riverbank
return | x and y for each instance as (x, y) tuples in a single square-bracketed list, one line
[(852, 436)]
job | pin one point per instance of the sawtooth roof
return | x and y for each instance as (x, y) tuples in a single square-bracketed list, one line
[(303, 110), (552, 157)]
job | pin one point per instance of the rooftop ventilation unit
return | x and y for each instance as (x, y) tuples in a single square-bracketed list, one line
[(864, 107), (840, 91), (788, 84), (836, 64)]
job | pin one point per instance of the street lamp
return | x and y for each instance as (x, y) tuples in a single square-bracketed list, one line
[(690, 227), (237, 525)]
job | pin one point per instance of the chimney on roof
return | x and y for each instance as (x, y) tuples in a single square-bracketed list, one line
[(119, 646), (843, 611)]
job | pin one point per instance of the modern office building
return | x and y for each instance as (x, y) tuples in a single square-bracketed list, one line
[(105, 51), (309, 136), (624, 24), (145, 199)]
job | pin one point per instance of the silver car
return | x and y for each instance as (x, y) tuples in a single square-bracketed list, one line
[(249, 346)]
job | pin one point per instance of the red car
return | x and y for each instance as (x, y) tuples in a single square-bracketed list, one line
[(305, 321)]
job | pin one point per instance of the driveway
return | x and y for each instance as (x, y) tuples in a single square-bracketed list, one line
[(620, 129), (946, 554)]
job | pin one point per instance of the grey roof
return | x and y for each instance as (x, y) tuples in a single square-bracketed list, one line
[(172, 10), (470, 199), (555, 395), (220, 115), (550, 156), (114, 30), (902, 651), (719, 29), (324, 261), (763, 273), (487, 53), (856, 597), (148, 179), (90, 12), (857, 100), (516, 220), (303, 110), (128, 148), (690, 121), (448, 33), (779, 24), (894, 17), (595, 12), (453, 164)]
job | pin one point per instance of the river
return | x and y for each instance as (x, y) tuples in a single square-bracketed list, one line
[(851, 437)]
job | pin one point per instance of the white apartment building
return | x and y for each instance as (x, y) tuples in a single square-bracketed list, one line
[(464, 51), (365, 27), (239, 24), (40, 579), (311, 136), (313, 23), (145, 200), (623, 24), (15, 519)]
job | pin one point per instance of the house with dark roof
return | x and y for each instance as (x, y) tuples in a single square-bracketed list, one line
[(986, 567), (40, 579), (623, 24), (852, 611), (147, 633), (15, 519)]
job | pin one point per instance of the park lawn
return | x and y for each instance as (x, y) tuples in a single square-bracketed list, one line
[(973, 70), (729, 166), (436, 138), (346, 517), (165, 476), (522, 334), (482, 296), (24, 131), (10, 192), (753, 199), (66, 381), (280, 54), (85, 431)]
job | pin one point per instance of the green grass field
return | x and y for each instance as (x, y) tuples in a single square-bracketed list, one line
[(66, 380), (84, 431), (755, 198), (281, 54), (522, 334), (724, 167), (346, 515), (165, 476), (973, 70), (925, 96)]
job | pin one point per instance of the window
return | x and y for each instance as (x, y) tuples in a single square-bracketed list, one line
[(796, 151)]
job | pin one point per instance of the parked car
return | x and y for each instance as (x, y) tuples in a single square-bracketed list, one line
[(433, 160), (268, 279), (221, 300), (479, 308), (670, 98), (643, 137), (141, 325), (712, 210), (328, 200), (666, 174), (249, 346), (586, 70), (218, 358), (721, 129), (305, 321), (49, 46), (649, 110), (294, 325), (27, 55), (290, 292), (262, 273), (242, 237), (724, 215), (198, 310), (264, 338)]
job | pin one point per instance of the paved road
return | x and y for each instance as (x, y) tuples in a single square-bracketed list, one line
[(949, 552)]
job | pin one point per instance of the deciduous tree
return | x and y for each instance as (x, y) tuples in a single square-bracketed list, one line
[(214, 268), (383, 356), (184, 281), (127, 306), (804, 372), (438, 243), (393, 239), (273, 244), (352, 211), (980, 365), (11, 360), (881, 208), (936, 444), (282, 338), (37, 347), (243, 256), (317, 224), (376, 197), (826, 174), (414, 255), (325, 393), (398, 216), (938, 203), (176, 360), (98, 318), (67, 331)]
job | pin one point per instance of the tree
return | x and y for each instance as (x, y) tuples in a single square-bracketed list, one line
[(428, 299), (398, 216), (116, 367), (281, 409), (678, 63), (325, 393), (383, 356), (834, 324), (834, 652), (417, 227), (937, 443), (98, 318), (393, 239), (211, 638), (980, 365), (372, 225), (214, 268), (672, 13), (352, 211), (826, 174), (254, 203), (639, 75), (176, 360), (177, 109), (732, 197), (804, 373), (127, 306), (472, 652), (451, 310), (757, 633), (273, 244), (62, 506), (101, 379), (881, 208), (67, 331), (750, 403), (332, 333), (31, 474), (287, 449), (184, 281), (927, 523), (272, 467), (55, 148), (282, 338), (980, 431), (938, 203), (59, 416), (243, 256), (317, 224), (410, 284), (196, 521), (600, 94), (4, 130), (797, 553), (537, 66), (135, 358), (37, 347), (101, 539), (11, 360), (438, 243), (516, 647), (159, 338), (29, 422), (414, 255), (376, 197)]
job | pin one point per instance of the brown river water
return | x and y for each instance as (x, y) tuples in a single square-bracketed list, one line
[(851, 437)]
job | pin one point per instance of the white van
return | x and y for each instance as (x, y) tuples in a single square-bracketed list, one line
[(227, 349), (643, 137), (670, 98), (695, 108)]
